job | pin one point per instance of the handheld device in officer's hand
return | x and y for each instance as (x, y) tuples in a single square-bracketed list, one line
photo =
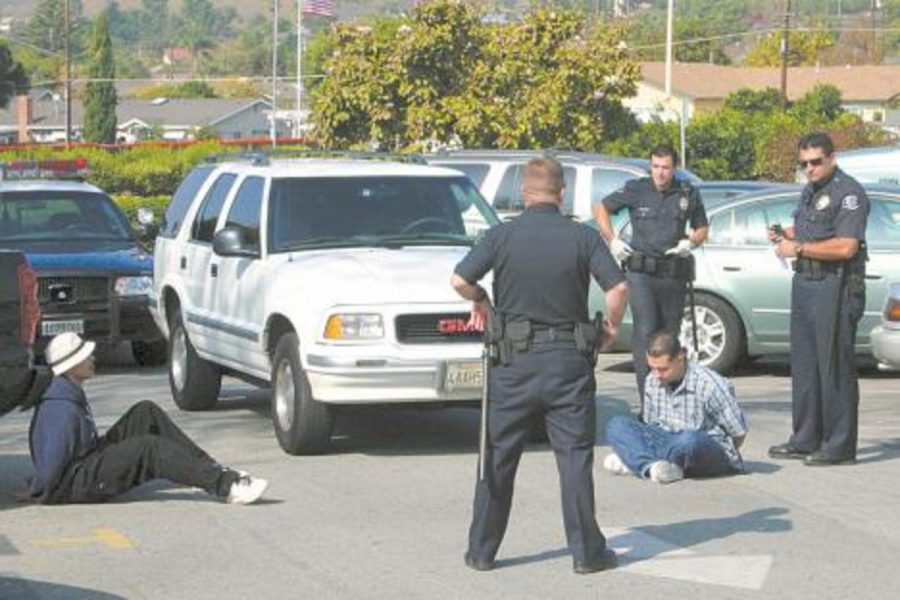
[(776, 231)]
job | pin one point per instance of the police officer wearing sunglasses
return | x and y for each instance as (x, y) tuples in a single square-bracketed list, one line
[(658, 260), (827, 242)]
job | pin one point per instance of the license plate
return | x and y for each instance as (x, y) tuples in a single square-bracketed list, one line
[(463, 376), (57, 327)]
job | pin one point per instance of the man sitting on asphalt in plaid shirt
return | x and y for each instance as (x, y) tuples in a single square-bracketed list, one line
[(692, 425)]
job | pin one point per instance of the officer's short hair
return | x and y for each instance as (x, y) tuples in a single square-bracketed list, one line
[(548, 169), (664, 150), (664, 343), (817, 139)]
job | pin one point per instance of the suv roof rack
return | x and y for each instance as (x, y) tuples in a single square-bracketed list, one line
[(263, 158)]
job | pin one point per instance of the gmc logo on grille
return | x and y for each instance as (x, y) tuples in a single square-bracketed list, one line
[(453, 326)]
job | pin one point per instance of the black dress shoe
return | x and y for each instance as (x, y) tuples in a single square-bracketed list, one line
[(479, 564), (787, 451), (605, 561), (821, 458)]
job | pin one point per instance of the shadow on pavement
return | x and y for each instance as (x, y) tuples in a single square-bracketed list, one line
[(754, 467), (531, 558), (691, 533), (879, 451), (15, 588), (14, 472)]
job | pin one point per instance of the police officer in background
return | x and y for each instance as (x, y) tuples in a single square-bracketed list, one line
[(658, 261), (542, 263), (827, 301)]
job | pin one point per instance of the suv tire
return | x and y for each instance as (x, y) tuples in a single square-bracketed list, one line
[(302, 425), (149, 354), (194, 382)]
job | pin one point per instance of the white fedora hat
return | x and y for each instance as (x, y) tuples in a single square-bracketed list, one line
[(66, 350)]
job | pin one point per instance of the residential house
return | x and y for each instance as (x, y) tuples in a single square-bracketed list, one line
[(39, 117), (871, 91)]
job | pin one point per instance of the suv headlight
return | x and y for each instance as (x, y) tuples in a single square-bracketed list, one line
[(354, 327), (133, 286)]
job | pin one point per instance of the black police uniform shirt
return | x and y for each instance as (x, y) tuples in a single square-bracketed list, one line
[(542, 263), (836, 208), (658, 217)]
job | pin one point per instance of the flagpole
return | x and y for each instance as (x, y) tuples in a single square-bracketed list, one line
[(299, 67), (274, 127)]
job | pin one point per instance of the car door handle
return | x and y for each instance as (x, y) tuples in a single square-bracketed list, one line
[(731, 269), (183, 263), (214, 270), (874, 277)]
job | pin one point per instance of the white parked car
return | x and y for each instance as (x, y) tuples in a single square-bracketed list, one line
[(326, 279), (886, 337)]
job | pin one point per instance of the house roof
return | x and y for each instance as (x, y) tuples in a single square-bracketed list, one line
[(858, 83), (176, 112)]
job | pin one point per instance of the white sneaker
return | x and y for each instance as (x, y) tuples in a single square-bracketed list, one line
[(665, 472), (246, 490), (614, 464)]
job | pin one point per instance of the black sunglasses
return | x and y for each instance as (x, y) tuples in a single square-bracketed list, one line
[(813, 162)]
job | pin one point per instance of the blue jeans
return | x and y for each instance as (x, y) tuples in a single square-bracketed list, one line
[(639, 445)]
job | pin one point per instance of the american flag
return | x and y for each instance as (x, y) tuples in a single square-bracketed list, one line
[(321, 8)]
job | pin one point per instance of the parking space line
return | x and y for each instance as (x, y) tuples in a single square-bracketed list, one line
[(106, 536)]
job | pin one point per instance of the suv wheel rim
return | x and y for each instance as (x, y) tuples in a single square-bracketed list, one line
[(711, 335), (284, 395), (178, 365)]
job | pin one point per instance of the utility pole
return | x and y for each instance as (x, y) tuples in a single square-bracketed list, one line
[(670, 19), (784, 52), (68, 70), (273, 130), (299, 68)]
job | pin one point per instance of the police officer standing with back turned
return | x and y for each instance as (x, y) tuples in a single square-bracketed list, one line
[(542, 263), (658, 261), (827, 301)]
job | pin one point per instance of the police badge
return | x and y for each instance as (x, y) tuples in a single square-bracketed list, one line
[(823, 202), (683, 203)]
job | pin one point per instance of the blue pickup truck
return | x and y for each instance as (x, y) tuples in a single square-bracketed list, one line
[(93, 275)]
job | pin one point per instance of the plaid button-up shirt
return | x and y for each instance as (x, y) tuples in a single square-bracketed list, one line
[(704, 401)]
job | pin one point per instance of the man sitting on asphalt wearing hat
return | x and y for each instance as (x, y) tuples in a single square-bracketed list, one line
[(73, 464), (692, 425)]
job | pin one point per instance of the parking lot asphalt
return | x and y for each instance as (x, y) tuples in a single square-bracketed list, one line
[(386, 514)]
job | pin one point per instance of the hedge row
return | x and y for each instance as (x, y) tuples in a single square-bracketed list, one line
[(147, 171)]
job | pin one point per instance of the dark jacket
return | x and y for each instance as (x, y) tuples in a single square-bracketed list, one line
[(62, 431)]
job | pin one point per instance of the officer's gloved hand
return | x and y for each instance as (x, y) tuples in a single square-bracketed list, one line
[(682, 248), (620, 250)]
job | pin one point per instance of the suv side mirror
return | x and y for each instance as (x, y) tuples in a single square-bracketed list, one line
[(232, 241), (147, 222)]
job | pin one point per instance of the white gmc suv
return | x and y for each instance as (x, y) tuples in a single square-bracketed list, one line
[(327, 280)]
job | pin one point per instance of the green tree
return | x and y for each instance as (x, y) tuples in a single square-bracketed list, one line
[(100, 96), (156, 25), (820, 104), (443, 75), (754, 101), (13, 79), (804, 48), (691, 36), (46, 28), (200, 24)]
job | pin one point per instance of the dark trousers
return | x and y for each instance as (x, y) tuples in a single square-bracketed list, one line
[(825, 395), (639, 445), (656, 303), (143, 445), (555, 379)]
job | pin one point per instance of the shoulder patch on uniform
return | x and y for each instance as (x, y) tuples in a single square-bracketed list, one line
[(823, 202), (684, 203), (850, 202)]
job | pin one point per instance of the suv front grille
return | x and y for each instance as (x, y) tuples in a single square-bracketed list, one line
[(435, 328), (68, 290)]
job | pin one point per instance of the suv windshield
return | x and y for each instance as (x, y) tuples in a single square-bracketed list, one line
[(363, 211), (29, 217)]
